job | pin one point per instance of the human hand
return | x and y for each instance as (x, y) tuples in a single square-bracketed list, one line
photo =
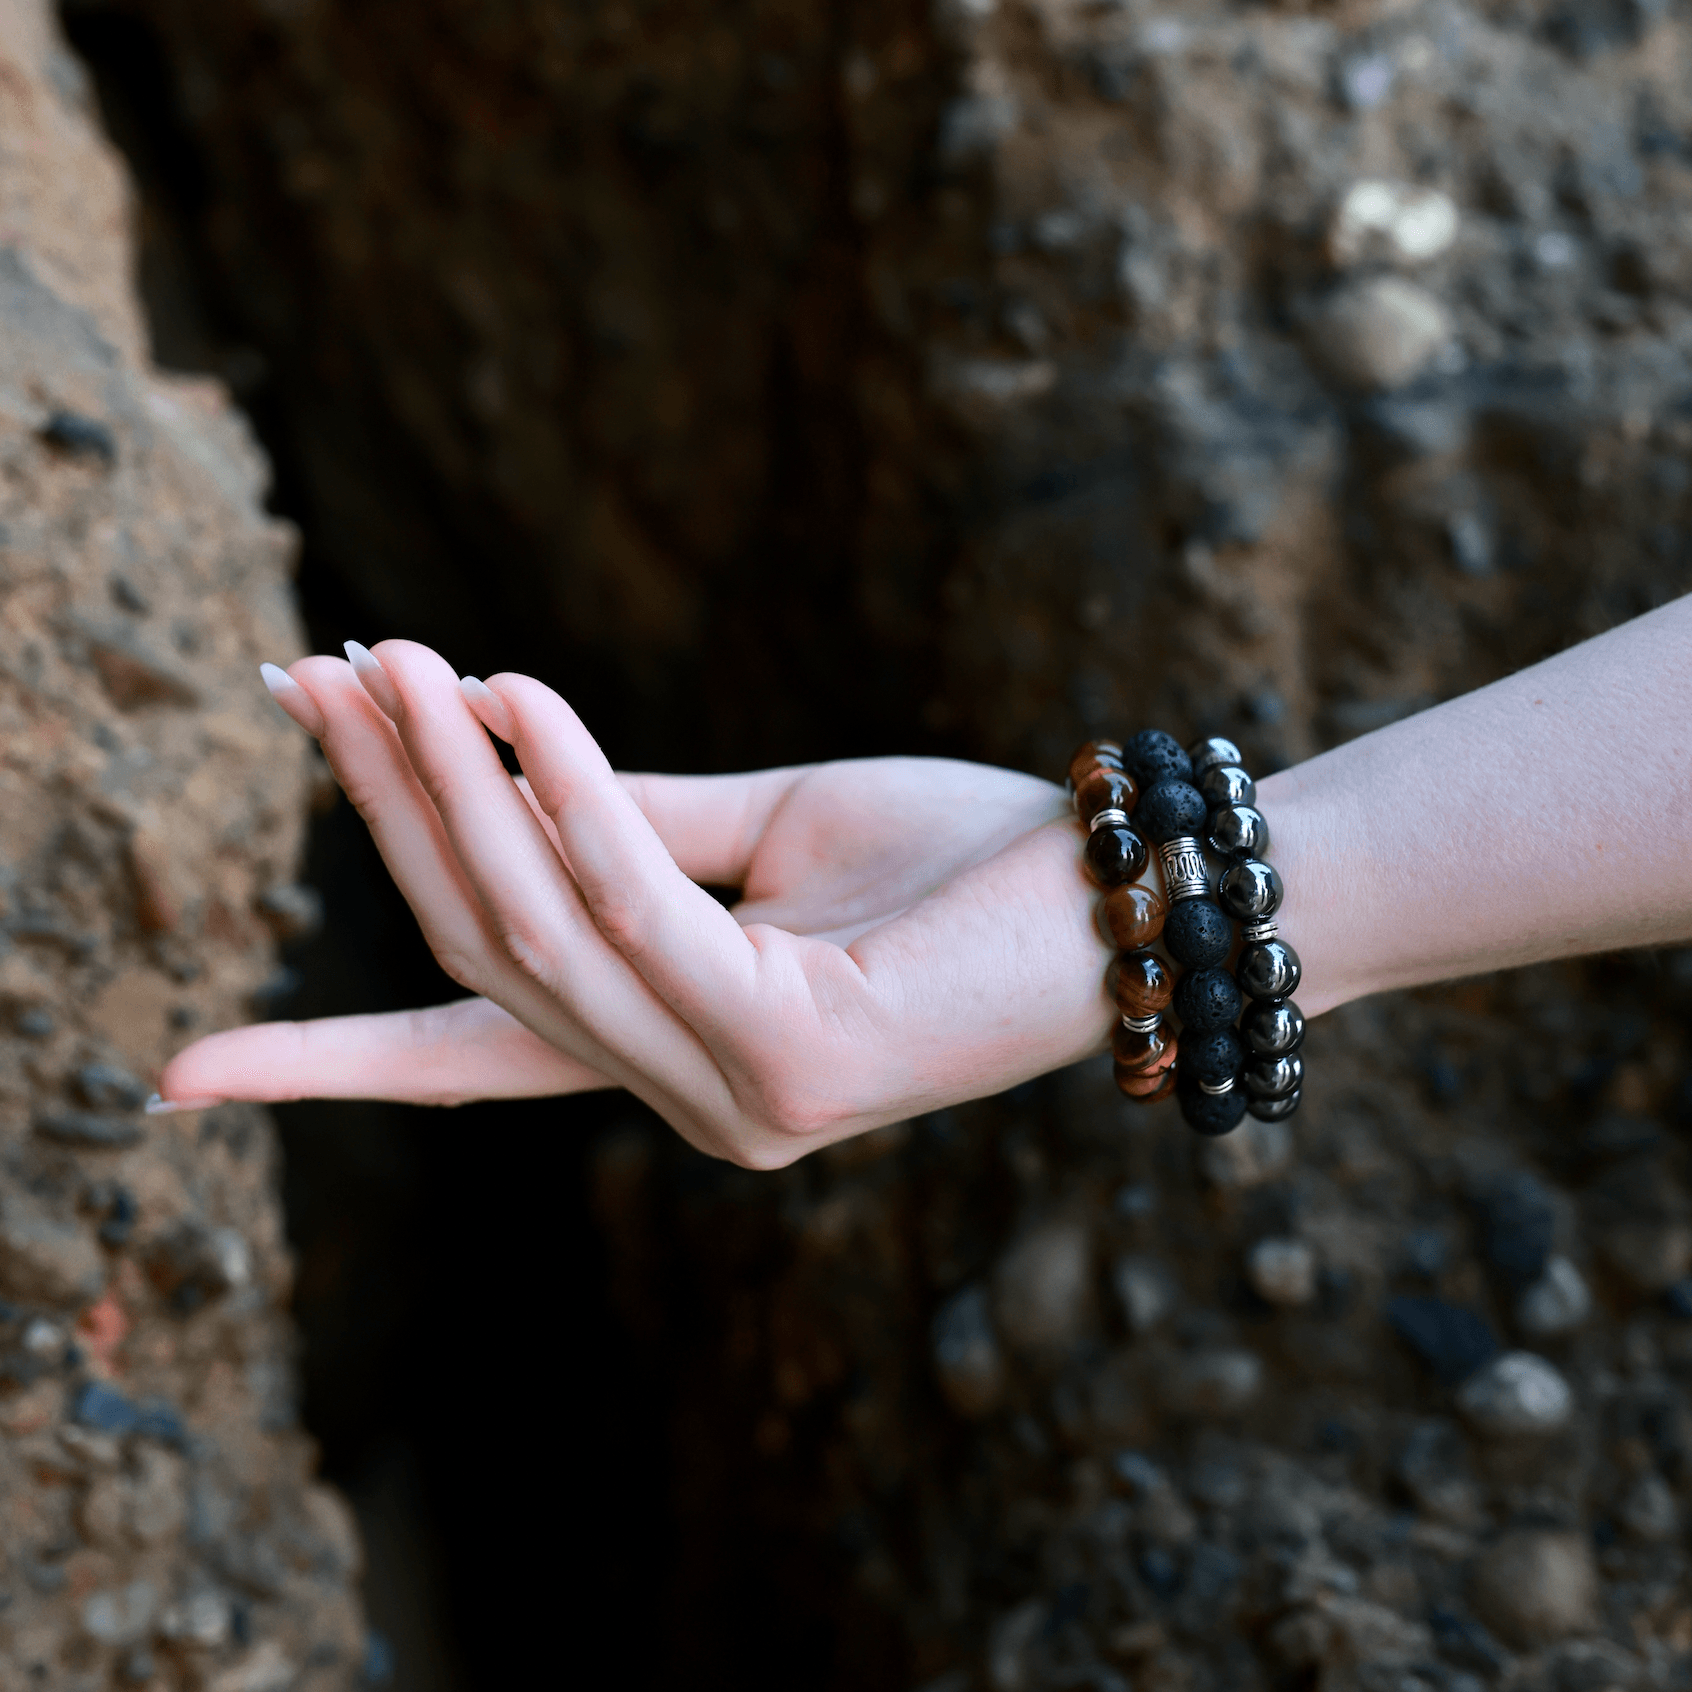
[(913, 932)]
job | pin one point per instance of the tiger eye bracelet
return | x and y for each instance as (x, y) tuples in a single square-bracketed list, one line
[(1183, 800)]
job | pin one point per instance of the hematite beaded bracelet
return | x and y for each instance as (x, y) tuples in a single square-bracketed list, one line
[(1152, 780)]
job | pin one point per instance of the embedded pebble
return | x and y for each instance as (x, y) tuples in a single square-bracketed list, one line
[(1396, 221), (1515, 1394), (1282, 1271), (1145, 1290), (1382, 332), (967, 1359), (1652, 1254), (1216, 1382), (1558, 1302), (1649, 1510), (1042, 1287), (1536, 1585), (1254, 1153)]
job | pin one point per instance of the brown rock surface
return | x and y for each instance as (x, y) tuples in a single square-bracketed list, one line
[(162, 1523)]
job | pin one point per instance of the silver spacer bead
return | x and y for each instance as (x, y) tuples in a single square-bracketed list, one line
[(1142, 1024), (1108, 818), (1264, 928), (1217, 1088), (1184, 874)]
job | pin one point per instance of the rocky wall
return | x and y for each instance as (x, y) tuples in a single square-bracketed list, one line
[(161, 1525), (787, 380)]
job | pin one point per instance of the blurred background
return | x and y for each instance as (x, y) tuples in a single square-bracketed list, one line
[(795, 379)]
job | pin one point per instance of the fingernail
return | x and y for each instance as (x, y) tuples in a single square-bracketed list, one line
[(293, 699), (492, 711), (155, 1106), (377, 682)]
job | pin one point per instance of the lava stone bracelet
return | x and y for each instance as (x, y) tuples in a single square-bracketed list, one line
[(1152, 781)]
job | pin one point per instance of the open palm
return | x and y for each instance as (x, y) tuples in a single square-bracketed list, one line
[(911, 931)]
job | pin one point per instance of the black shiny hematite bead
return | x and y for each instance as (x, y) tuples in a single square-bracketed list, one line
[(1270, 1077), (1213, 1114), (1249, 890), (1267, 969), (1216, 1056), (1239, 831), (1115, 855), (1205, 999), (1214, 749), (1276, 1110), (1153, 756), (1196, 934), (1170, 810), (1227, 784), (1270, 1029)]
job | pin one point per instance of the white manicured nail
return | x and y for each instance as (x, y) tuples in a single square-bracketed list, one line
[(293, 699), (377, 682), (155, 1106), (491, 711)]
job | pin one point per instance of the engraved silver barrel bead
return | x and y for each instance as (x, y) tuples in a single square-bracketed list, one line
[(1184, 874)]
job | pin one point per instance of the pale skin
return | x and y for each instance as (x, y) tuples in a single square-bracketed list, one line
[(916, 932)]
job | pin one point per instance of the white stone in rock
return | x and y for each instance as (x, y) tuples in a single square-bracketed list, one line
[(1042, 1288), (43, 1338), (1515, 1394), (1146, 1291), (1535, 1585), (1649, 1511), (1282, 1271), (1396, 221), (1382, 332), (120, 1615), (1558, 1302), (1221, 1382), (1255, 1152)]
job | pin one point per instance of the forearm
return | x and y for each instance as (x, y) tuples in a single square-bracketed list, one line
[(1545, 816)]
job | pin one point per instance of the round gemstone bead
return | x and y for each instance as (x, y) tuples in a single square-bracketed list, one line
[(1276, 1109), (1213, 1114), (1227, 784), (1170, 810), (1148, 1088), (1197, 934), (1104, 789), (1143, 985), (1092, 755), (1115, 855), (1138, 1052), (1273, 1077), (1271, 1030), (1131, 917), (1214, 1057), (1268, 969), (1205, 999), (1153, 756), (1250, 889), (1213, 750), (1237, 831)]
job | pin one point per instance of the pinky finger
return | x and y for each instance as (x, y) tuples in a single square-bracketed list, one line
[(444, 1055)]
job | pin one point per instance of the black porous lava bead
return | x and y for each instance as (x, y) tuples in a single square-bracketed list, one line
[(1214, 1057), (1274, 1110), (1213, 1114), (1205, 999), (1115, 855), (1270, 1077), (1267, 970), (1197, 935), (1153, 756), (1269, 1030), (1249, 890), (1239, 831), (1169, 810)]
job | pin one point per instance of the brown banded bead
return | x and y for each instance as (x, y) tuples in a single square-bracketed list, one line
[(1146, 1089), (1105, 789), (1092, 755), (1143, 984), (1142, 1052), (1131, 917)]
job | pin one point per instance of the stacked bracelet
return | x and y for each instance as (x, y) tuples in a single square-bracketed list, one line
[(1180, 800)]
